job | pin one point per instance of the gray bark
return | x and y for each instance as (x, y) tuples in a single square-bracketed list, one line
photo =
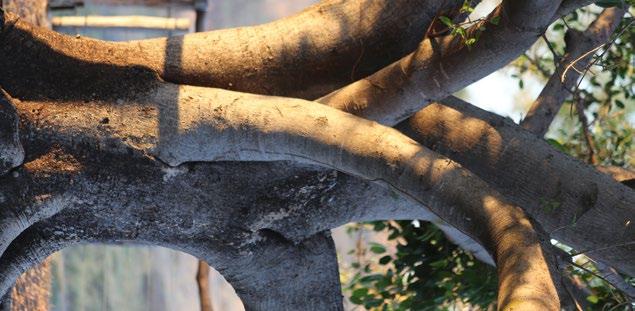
[(215, 125)]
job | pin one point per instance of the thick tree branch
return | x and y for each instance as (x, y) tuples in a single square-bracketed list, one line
[(441, 66), (270, 274), (166, 114), (548, 103), (572, 201), (253, 59), (181, 124), (306, 55)]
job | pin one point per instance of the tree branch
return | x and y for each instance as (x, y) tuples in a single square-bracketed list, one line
[(571, 200), (548, 103), (212, 125), (142, 201), (441, 66), (306, 55), (11, 151), (270, 274), (202, 280), (140, 143)]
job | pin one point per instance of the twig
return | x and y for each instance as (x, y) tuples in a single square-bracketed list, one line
[(538, 66), (585, 130), (564, 73), (599, 276), (202, 278), (600, 248), (556, 57)]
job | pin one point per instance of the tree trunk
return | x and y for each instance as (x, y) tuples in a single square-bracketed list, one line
[(32, 290)]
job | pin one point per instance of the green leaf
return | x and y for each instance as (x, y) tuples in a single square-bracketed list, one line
[(357, 300), (385, 260), (495, 20), (619, 104), (377, 248), (379, 225), (373, 303), (470, 41), (593, 299), (447, 21), (439, 263), (461, 31), (360, 292), (371, 278)]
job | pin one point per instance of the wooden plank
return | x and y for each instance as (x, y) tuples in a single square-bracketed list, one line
[(133, 21), (64, 4)]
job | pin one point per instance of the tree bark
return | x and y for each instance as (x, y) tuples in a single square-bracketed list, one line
[(32, 290), (216, 125), (574, 202), (307, 55)]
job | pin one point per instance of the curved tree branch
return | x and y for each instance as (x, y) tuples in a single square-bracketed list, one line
[(572, 201), (271, 274), (306, 55), (441, 66), (140, 143), (204, 124)]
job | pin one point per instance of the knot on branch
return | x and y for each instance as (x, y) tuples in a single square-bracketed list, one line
[(11, 151)]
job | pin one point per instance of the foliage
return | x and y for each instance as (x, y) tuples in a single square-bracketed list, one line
[(425, 272)]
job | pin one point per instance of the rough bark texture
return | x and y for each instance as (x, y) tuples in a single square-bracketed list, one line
[(444, 65), (32, 289), (216, 125), (12, 152)]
